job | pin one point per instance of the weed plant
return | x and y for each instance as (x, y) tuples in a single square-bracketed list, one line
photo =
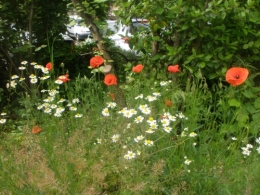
[(164, 139)]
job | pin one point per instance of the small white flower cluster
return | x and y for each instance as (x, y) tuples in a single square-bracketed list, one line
[(138, 138), (152, 125), (151, 98), (164, 83), (247, 150), (191, 134), (105, 111), (128, 113), (187, 161), (3, 120), (130, 154), (49, 107), (144, 109), (146, 142), (33, 78)]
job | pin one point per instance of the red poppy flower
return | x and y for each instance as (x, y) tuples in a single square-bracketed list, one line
[(110, 79), (168, 103), (173, 69), (236, 75), (138, 68), (96, 61), (36, 129), (64, 78), (49, 66)]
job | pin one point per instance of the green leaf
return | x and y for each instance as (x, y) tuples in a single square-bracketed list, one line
[(255, 57), (156, 57), (170, 49), (250, 108), (159, 10), (228, 57), (245, 31), (242, 120), (257, 43), (257, 103), (184, 27), (202, 64), (233, 102), (255, 89), (193, 52), (245, 46), (207, 58), (248, 94)]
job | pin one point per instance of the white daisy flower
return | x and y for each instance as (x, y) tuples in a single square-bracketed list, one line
[(60, 109), (156, 94), (139, 96), (33, 63), (130, 155), (127, 114), (15, 77), (24, 62), (153, 126), (167, 129), (163, 83), (2, 121), (78, 115), (105, 112), (57, 114), (193, 134), (73, 108), (75, 100), (111, 104), (45, 70), (165, 122), (34, 80), (44, 78), (150, 131), (21, 79), (115, 137), (21, 68), (146, 111), (58, 82), (151, 98), (138, 138), (32, 76), (187, 162), (61, 100), (148, 142), (47, 110), (139, 119)]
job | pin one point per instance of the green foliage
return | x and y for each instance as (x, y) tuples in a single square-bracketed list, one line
[(97, 9), (206, 37)]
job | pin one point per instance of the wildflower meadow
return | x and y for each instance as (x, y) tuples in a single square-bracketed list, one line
[(102, 97), (99, 135)]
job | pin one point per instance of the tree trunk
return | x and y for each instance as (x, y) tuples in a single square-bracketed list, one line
[(109, 68)]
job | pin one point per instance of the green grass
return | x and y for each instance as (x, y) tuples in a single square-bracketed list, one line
[(78, 155)]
